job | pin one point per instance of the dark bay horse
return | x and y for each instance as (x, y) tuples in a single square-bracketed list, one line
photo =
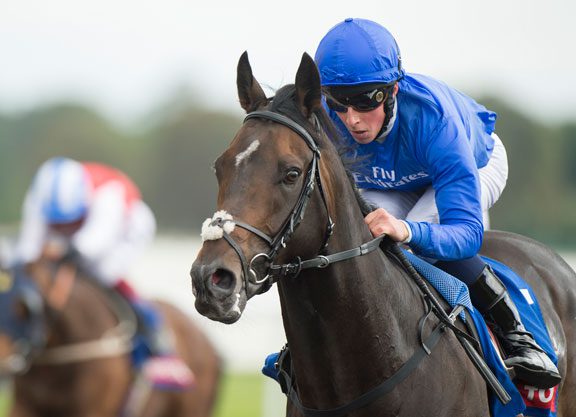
[(66, 345), (288, 212)]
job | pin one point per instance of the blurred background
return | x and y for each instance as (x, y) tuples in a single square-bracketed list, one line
[(148, 86)]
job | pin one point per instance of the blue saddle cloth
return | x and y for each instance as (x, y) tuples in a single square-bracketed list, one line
[(455, 292)]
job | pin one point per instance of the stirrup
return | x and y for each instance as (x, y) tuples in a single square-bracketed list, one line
[(529, 362)]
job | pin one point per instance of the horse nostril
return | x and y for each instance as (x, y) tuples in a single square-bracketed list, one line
[(223, 279)]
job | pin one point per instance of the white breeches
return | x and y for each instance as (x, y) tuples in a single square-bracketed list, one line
[(420, 206)]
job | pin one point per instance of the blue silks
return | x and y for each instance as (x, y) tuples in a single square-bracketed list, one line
[(142, 343)]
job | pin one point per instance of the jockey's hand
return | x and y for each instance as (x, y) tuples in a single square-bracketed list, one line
[(381, 222)]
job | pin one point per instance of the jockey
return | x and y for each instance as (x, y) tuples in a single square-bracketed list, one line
[(427, 156), (97, 213)]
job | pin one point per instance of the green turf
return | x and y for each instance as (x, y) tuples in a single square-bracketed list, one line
[(3, 401), (240, 396)]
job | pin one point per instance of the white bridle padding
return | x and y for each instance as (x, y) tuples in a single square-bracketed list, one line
[(212, 231)]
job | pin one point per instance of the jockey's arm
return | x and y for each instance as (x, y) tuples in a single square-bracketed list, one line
[(104, 224), (456, 183), (33, 230)]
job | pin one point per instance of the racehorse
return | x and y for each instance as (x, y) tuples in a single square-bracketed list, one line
[(288, 213), (66, 342)]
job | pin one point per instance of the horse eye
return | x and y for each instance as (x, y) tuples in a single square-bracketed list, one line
[(292, 176)]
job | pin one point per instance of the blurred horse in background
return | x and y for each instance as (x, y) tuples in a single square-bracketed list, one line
[(67, 345)]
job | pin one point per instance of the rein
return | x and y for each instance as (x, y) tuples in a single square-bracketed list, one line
[(113, 342), (116, 341), (289, 386), (322, 261)]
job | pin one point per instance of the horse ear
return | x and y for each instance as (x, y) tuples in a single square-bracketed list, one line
[(308, 91), (250, 92)]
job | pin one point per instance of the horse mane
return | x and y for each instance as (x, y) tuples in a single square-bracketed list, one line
[(284, 102)]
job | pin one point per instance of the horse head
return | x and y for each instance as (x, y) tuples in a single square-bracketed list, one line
[(268, 177)]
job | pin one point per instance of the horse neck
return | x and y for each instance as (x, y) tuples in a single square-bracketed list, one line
[(345, 324), (86, 315), (85, 318)]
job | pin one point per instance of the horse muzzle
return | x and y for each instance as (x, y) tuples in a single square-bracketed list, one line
[(218, 292)]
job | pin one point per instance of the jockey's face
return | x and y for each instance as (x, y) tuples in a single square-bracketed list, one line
[(67, 229), (364, 125)]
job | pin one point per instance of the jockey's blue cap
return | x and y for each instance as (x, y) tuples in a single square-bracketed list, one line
[(64, 190), (358, 51)]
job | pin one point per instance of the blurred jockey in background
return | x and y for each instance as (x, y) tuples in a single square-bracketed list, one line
[(96, 213)]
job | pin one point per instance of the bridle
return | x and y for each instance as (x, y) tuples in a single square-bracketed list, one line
[(294, 219), (275, 271)]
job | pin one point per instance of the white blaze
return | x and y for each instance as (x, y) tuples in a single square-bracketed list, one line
[(249, 151)]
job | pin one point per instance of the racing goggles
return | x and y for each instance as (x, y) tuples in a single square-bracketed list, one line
[(339, 100)]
